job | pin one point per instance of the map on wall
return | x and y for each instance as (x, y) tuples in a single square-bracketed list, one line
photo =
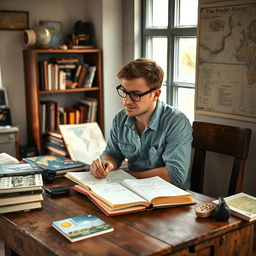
[(226, 60)]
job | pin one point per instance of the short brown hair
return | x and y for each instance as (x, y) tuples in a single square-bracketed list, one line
[(143, 68)]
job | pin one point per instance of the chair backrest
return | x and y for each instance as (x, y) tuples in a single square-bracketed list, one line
[(223, 139)]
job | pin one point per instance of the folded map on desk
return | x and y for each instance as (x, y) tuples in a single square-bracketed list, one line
[(121, 193)]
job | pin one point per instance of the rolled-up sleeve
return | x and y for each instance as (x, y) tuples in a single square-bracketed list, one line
[(177, 153)]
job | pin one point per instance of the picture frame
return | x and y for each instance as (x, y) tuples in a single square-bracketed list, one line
[(14, 20), (55, 28)]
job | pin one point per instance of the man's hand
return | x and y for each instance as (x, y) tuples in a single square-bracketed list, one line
[(98, 170)]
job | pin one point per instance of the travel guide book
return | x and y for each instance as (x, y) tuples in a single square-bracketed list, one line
[(18, 169), (121, 193), (59, 164), (81, 227), (242, 205)]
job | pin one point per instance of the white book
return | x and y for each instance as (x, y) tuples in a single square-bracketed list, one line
[(62, 80), (7, 159)]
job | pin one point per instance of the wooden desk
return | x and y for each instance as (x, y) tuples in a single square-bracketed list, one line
[(174, 231)]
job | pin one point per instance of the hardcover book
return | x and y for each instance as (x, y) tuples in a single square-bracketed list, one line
[(242, 205), (18, 169), (81, 227), (59, 164), (121, 193), (20, 183), (20, 207), (20, 199)]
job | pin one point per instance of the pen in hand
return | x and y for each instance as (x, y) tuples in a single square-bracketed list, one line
[(103, 165)]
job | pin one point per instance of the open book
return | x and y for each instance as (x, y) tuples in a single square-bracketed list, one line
[(84, 142), (121, 193)]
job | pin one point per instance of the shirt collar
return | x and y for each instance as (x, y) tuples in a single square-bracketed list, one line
[(154, 122)]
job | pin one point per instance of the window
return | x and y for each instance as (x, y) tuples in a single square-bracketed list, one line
[(169, 37)]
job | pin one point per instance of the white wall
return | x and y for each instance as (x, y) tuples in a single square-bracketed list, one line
[(107, 19), (11, 46)]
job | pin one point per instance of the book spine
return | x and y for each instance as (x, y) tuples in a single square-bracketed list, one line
[(15, 194)]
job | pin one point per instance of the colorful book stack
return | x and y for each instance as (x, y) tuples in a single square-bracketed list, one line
[(20, 187), (54, 144)]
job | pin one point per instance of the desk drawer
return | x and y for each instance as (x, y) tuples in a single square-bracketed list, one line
[(238, 242), (7, 138)]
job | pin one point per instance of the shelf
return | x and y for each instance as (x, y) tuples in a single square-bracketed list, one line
[(70, 90)]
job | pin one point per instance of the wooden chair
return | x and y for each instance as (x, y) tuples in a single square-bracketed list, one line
[(223, 139)]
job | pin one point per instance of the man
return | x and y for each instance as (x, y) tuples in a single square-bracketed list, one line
[(154, 137)]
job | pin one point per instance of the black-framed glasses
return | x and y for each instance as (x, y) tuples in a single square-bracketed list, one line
[(134, 96)]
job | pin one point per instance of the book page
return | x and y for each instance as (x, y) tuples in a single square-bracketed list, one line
[(87, 179), (7, 159), (116, 194), (151, 188)]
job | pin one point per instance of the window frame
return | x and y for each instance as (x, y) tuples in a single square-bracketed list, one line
[(171, 32)]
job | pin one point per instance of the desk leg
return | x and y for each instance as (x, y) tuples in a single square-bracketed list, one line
[(9, 252)]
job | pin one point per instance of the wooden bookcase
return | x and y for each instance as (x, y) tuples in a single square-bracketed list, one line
[(67, 97)]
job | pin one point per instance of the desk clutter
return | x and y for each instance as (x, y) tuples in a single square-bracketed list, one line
[(20, 186), (240, 205)]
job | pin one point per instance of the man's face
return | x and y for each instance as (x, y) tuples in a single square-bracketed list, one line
[(146, 103)]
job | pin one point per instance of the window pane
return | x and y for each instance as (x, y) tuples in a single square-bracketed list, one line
[(163, 95), (186, 102), (185, 60), (188, 12), (157, 50), (157, 13)]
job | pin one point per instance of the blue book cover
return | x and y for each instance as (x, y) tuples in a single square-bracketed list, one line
[(56, 163), (18, 169), (81, 227)]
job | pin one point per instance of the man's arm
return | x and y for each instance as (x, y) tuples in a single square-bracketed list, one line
[(161, 172)]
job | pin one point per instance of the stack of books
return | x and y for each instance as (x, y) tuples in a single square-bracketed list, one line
[(54, 144), (20, 188)]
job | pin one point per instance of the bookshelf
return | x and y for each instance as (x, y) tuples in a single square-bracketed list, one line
[(66, 98)]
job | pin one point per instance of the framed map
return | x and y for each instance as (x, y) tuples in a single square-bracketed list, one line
[(226, 60)]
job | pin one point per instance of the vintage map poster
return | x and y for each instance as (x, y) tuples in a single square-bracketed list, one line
[(226, 60)]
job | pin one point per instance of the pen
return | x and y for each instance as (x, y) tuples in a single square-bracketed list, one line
[(103, 164), (102, 161)]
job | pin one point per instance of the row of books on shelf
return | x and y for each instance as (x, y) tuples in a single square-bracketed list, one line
[(52, 115), (65, 73)]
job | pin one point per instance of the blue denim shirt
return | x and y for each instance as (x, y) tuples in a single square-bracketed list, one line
[(166, 142)]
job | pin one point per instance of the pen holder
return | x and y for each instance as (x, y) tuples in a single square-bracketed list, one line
[(222, 211)]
